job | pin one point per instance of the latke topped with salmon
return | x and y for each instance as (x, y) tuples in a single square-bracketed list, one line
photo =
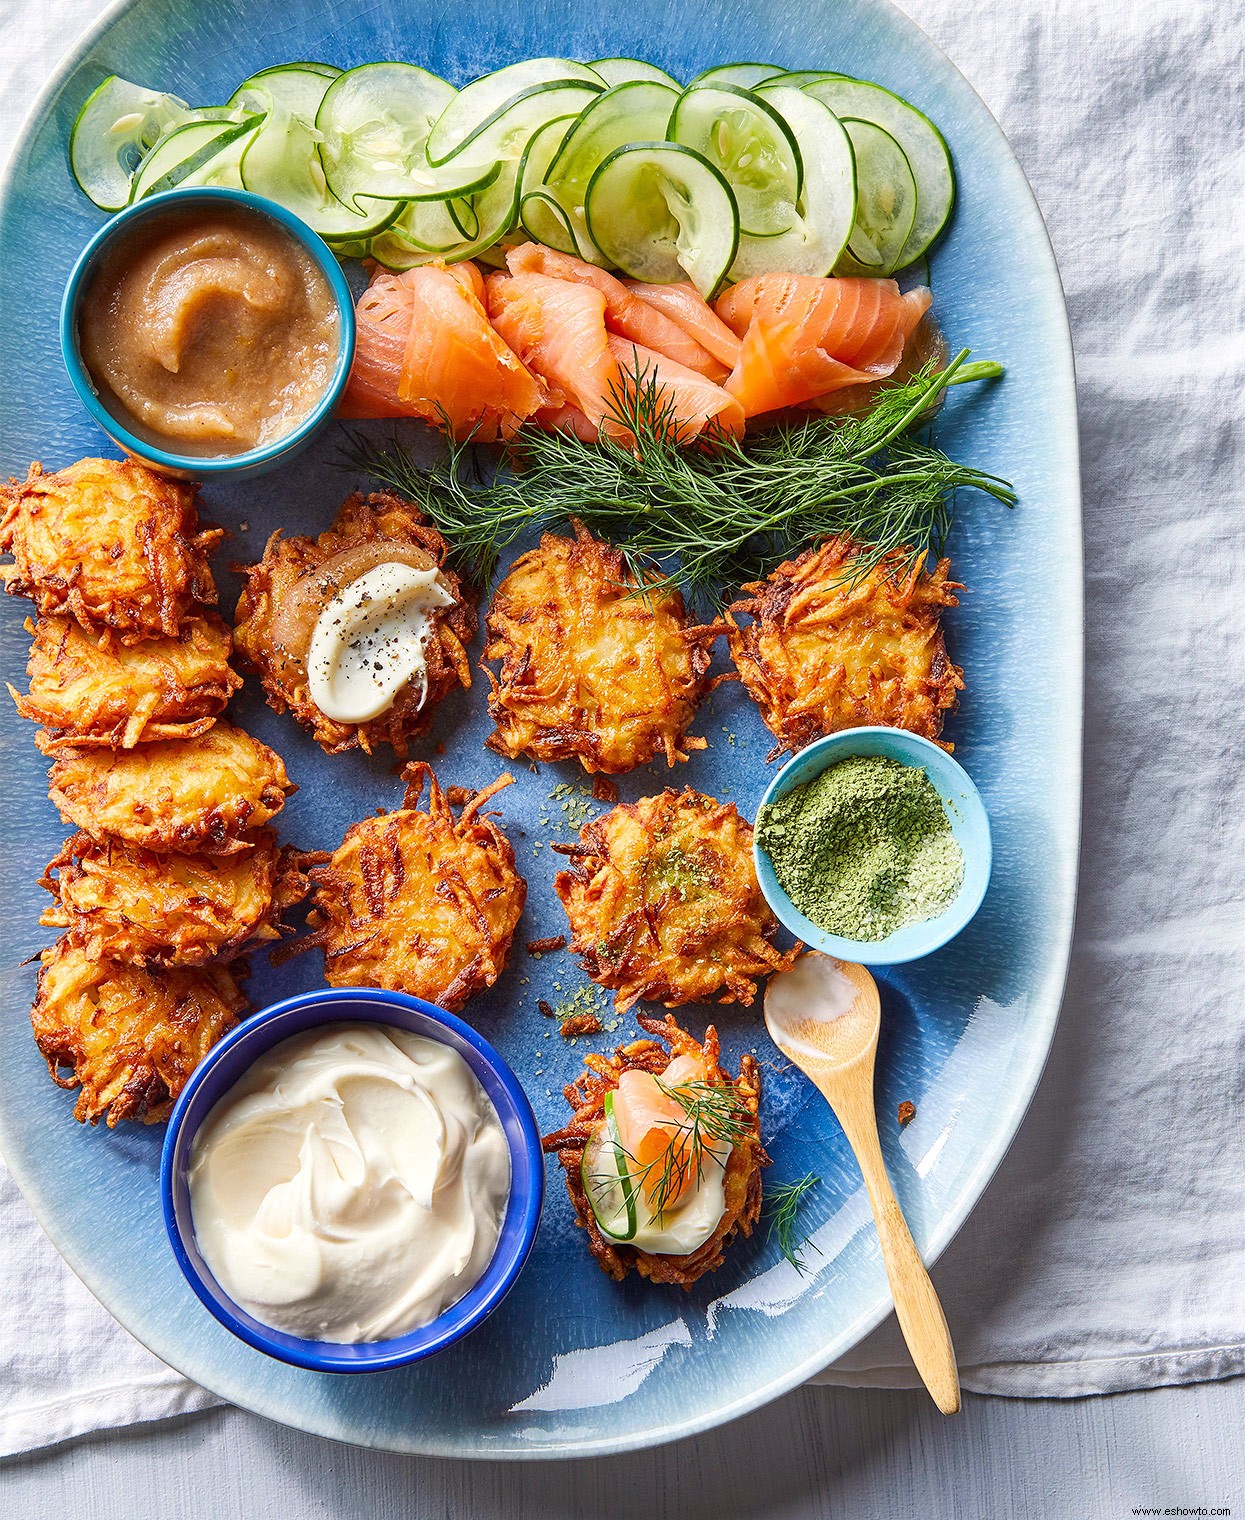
[(591, 670), (663, 902), (663, 1154)]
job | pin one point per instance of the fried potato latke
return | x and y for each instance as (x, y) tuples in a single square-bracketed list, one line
[(88, 691), (664, 905), (588, 670), (742, 1181), (128, 1037), (285, 593), (199, 794), (822, 653), (134, 905), (110, 543), (419, 902)]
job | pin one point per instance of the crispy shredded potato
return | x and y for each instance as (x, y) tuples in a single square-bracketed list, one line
[(742, 1181), (88, 691), (589, 670), (109, 542), (822, 654), (128, 1037), (664, 905), (144, 908), (198, 794), (287, 590), (419, 902)]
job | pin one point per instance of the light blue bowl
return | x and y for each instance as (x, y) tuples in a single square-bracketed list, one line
[(237, 1053), (211, 466), (969, 824)]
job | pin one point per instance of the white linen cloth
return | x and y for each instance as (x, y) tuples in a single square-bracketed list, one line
[(1109, 1252)]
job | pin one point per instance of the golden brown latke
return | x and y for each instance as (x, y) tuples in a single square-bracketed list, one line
[(589, 671), (419, 902), (134, 905), (287, 590), (664, 905), (176, 794), (742, 1182), (109, 542), (128, 1037), (822, 654), (88, 691)]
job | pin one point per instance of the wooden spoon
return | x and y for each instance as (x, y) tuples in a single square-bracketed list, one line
[(824, 1015)]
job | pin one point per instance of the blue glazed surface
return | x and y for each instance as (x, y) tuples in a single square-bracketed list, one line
[(573, 1364), (229, 1061), (969, 825), (237, 466)]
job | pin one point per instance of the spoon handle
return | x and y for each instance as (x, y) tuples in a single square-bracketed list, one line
[(917, 1307)]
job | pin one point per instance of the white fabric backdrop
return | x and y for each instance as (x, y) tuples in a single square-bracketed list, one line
[(1109, 1252)]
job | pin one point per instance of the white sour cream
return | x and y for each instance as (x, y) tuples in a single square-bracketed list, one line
[(352, 1185), (368, 643)]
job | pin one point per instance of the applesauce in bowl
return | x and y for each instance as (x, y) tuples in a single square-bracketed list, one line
[(208, 331)]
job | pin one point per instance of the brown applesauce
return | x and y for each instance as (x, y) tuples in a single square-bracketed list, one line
[(209, 331)]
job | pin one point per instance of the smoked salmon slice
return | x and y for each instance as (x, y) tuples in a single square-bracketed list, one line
[(652, 1125), (627, 313), (803, 337), (697, 403), (454, 365), (382, 321), (685, 305), (557, 328)]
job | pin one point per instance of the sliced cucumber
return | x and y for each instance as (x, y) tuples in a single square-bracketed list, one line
[(742, 135), (540, 212), (625, 70), (481, 106), (797, 79), (743, 74), (115, 130), (885, 201), (192, 154), (662, 213), (374, 123), (282, 163), (299, 87), (451, 230), (637, 111), (608, 1185), (923, 144), (826, 211)]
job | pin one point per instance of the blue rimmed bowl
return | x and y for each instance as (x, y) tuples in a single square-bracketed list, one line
[(970, 826), (234, 1056), (205, 466)]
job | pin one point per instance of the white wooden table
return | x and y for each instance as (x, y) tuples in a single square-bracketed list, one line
[(816, 1454)]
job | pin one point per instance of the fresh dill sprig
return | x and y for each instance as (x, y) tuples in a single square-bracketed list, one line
[(716, 1113), (715, 514), (783, 1204)]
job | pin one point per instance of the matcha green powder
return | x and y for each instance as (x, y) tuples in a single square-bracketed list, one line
[(864, 848)]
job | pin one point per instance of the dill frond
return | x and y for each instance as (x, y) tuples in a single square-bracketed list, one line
[(721, 511), (783, 1204)]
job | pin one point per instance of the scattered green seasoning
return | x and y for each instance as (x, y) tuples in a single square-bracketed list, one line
[(864, 848)]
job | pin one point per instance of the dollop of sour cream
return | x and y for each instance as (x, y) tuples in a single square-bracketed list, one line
[(368, 643), (351, 1186), (685, 1228)]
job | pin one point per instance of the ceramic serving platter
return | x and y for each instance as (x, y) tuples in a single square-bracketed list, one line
[(573, 1364)]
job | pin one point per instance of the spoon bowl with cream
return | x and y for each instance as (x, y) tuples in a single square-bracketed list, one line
[(352, 1180)]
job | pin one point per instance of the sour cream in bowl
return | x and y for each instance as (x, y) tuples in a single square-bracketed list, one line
[(352, 1180)]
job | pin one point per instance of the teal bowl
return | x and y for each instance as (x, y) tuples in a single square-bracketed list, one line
[(970, 826), (210, 466)]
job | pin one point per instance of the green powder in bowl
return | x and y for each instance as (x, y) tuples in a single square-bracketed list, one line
[(864, 848)]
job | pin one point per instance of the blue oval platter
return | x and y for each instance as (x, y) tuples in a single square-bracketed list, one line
[(573, 1364)]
